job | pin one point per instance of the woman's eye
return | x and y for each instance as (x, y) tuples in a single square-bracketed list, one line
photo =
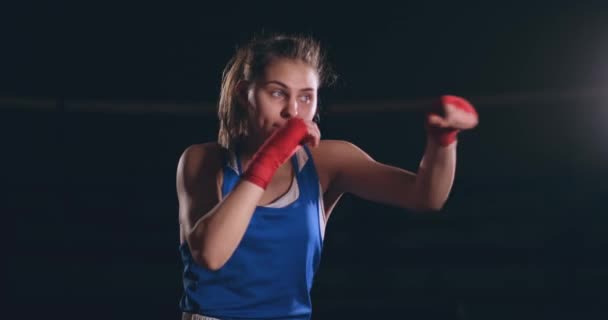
[(277, 93), (305, 99)]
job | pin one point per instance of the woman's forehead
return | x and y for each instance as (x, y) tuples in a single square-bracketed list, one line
[(294, 74)]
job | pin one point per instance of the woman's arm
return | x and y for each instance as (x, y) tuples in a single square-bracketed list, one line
[(435, 176), (427, 189), (357, 173), (212, 229)]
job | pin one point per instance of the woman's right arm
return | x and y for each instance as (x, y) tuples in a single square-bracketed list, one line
[(211, 229), (214, 229)]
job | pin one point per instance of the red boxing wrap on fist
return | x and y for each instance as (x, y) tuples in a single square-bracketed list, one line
[(279, 147), (447, 136)]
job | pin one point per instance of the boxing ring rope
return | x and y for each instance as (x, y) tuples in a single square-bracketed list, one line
[(539, 99)]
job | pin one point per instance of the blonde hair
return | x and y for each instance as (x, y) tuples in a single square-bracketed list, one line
[(249, 63)]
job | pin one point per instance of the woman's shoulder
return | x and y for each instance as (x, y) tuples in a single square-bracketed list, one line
[(200, 158), (330, 154), (334, 155), (332, 149), (202, 149)]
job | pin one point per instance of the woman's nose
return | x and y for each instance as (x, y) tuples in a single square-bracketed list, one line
[(291, 109)]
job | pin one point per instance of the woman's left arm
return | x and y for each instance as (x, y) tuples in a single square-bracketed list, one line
[(428, 188), (435, 176)]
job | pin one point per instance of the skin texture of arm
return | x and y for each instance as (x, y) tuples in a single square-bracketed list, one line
[(212, 228), (354, 171)]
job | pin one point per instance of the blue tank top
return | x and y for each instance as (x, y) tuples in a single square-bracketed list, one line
[(270, 274)]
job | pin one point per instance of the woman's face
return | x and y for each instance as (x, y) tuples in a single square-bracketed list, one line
[(287, 89)]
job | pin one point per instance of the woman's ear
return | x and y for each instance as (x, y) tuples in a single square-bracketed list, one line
[(242, 93)]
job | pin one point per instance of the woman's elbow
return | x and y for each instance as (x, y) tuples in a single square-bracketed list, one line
[(208, 260), (205, 254)]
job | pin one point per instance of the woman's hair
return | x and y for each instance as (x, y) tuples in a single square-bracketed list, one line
[(249, 63)]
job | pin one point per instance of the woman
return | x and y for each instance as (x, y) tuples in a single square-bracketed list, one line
[(253, 206)]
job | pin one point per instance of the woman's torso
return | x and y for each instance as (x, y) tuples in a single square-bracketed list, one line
[(278, 186), (271, 271)]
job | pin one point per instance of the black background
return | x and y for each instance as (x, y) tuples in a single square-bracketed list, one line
[(89, 174)]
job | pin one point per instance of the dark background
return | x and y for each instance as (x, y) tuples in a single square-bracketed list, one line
[(98, 100)]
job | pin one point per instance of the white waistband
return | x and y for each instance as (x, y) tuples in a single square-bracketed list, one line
[(193, 316)]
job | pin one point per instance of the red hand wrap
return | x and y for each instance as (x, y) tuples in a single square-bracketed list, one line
[(279, 147), (447, 136)]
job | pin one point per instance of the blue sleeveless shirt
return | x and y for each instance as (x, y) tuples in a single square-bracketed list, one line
[(270, 274)]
